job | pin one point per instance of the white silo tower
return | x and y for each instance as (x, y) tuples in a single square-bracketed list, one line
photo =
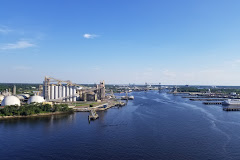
[(67, 93), (74, 94), (60, 91), (52, 92), (49, 92), (56, 92), (70, 93), (63, 92)]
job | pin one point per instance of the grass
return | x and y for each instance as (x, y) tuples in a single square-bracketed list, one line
[(87, 103)]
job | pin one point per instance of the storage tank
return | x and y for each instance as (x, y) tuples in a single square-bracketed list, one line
[(35, 99), (67, 93), (70, 93), (74, 94), (52, 92), (64, 92), (55, 92), (10, 100), (59, 91)]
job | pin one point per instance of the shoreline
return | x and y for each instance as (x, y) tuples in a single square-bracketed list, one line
[(35, 115), (109, 104)]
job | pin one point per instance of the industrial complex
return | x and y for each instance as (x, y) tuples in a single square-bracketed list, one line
[(55, 91)]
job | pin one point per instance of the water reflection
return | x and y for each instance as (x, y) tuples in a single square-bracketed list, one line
[(47, 121)]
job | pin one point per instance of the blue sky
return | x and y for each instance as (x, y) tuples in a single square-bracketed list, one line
[(194, 42)]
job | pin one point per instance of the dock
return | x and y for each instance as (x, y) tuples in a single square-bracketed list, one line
[(92, 115), (212, 103), (231, 109), (207, 99)]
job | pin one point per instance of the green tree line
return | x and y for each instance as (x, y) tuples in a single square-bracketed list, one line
[(30, 109)]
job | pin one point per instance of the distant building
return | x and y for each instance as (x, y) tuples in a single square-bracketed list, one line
[(101, 90), (91, 96), (233, 93), (14, 90)]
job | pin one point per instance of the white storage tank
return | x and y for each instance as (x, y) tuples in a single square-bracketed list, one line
[(67, 93), (71, 93), (35, 99), (55, 92), (52, 92), (74, 94), (59, 91), (63, 92), (10, 100)]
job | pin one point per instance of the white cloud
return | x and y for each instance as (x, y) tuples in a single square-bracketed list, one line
[(4, 30), (90, 36), (18, 45)]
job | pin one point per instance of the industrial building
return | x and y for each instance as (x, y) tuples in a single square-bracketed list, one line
[(101, 90), (92, 94), (55, 91), (58, 90), (35, 99), (10, 100)]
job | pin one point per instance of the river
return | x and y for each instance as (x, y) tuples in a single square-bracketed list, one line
[(152, 126)]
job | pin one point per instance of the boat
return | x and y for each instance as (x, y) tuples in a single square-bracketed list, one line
[(124, 98), (231, 102), (131, 97), (127, 97), (92, 115)]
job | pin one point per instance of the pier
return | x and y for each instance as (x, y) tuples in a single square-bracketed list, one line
[(212, 103), (92, 115), (207, 99), (231, 108)]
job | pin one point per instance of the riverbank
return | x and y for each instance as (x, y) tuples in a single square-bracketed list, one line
[(36, 115), (99, 107)]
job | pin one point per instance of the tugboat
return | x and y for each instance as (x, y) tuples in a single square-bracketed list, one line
[(92, 115)]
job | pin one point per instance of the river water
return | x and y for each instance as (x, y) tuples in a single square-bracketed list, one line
[(152, 126)]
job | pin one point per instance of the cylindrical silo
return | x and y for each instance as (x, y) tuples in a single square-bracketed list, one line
[(74, 94), (71, 93), (55, 92), (52, 92), (60, 91), (63, 93), (67, 93), (49, 92)]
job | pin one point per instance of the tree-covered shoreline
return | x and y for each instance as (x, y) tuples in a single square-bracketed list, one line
[(31, 109)]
